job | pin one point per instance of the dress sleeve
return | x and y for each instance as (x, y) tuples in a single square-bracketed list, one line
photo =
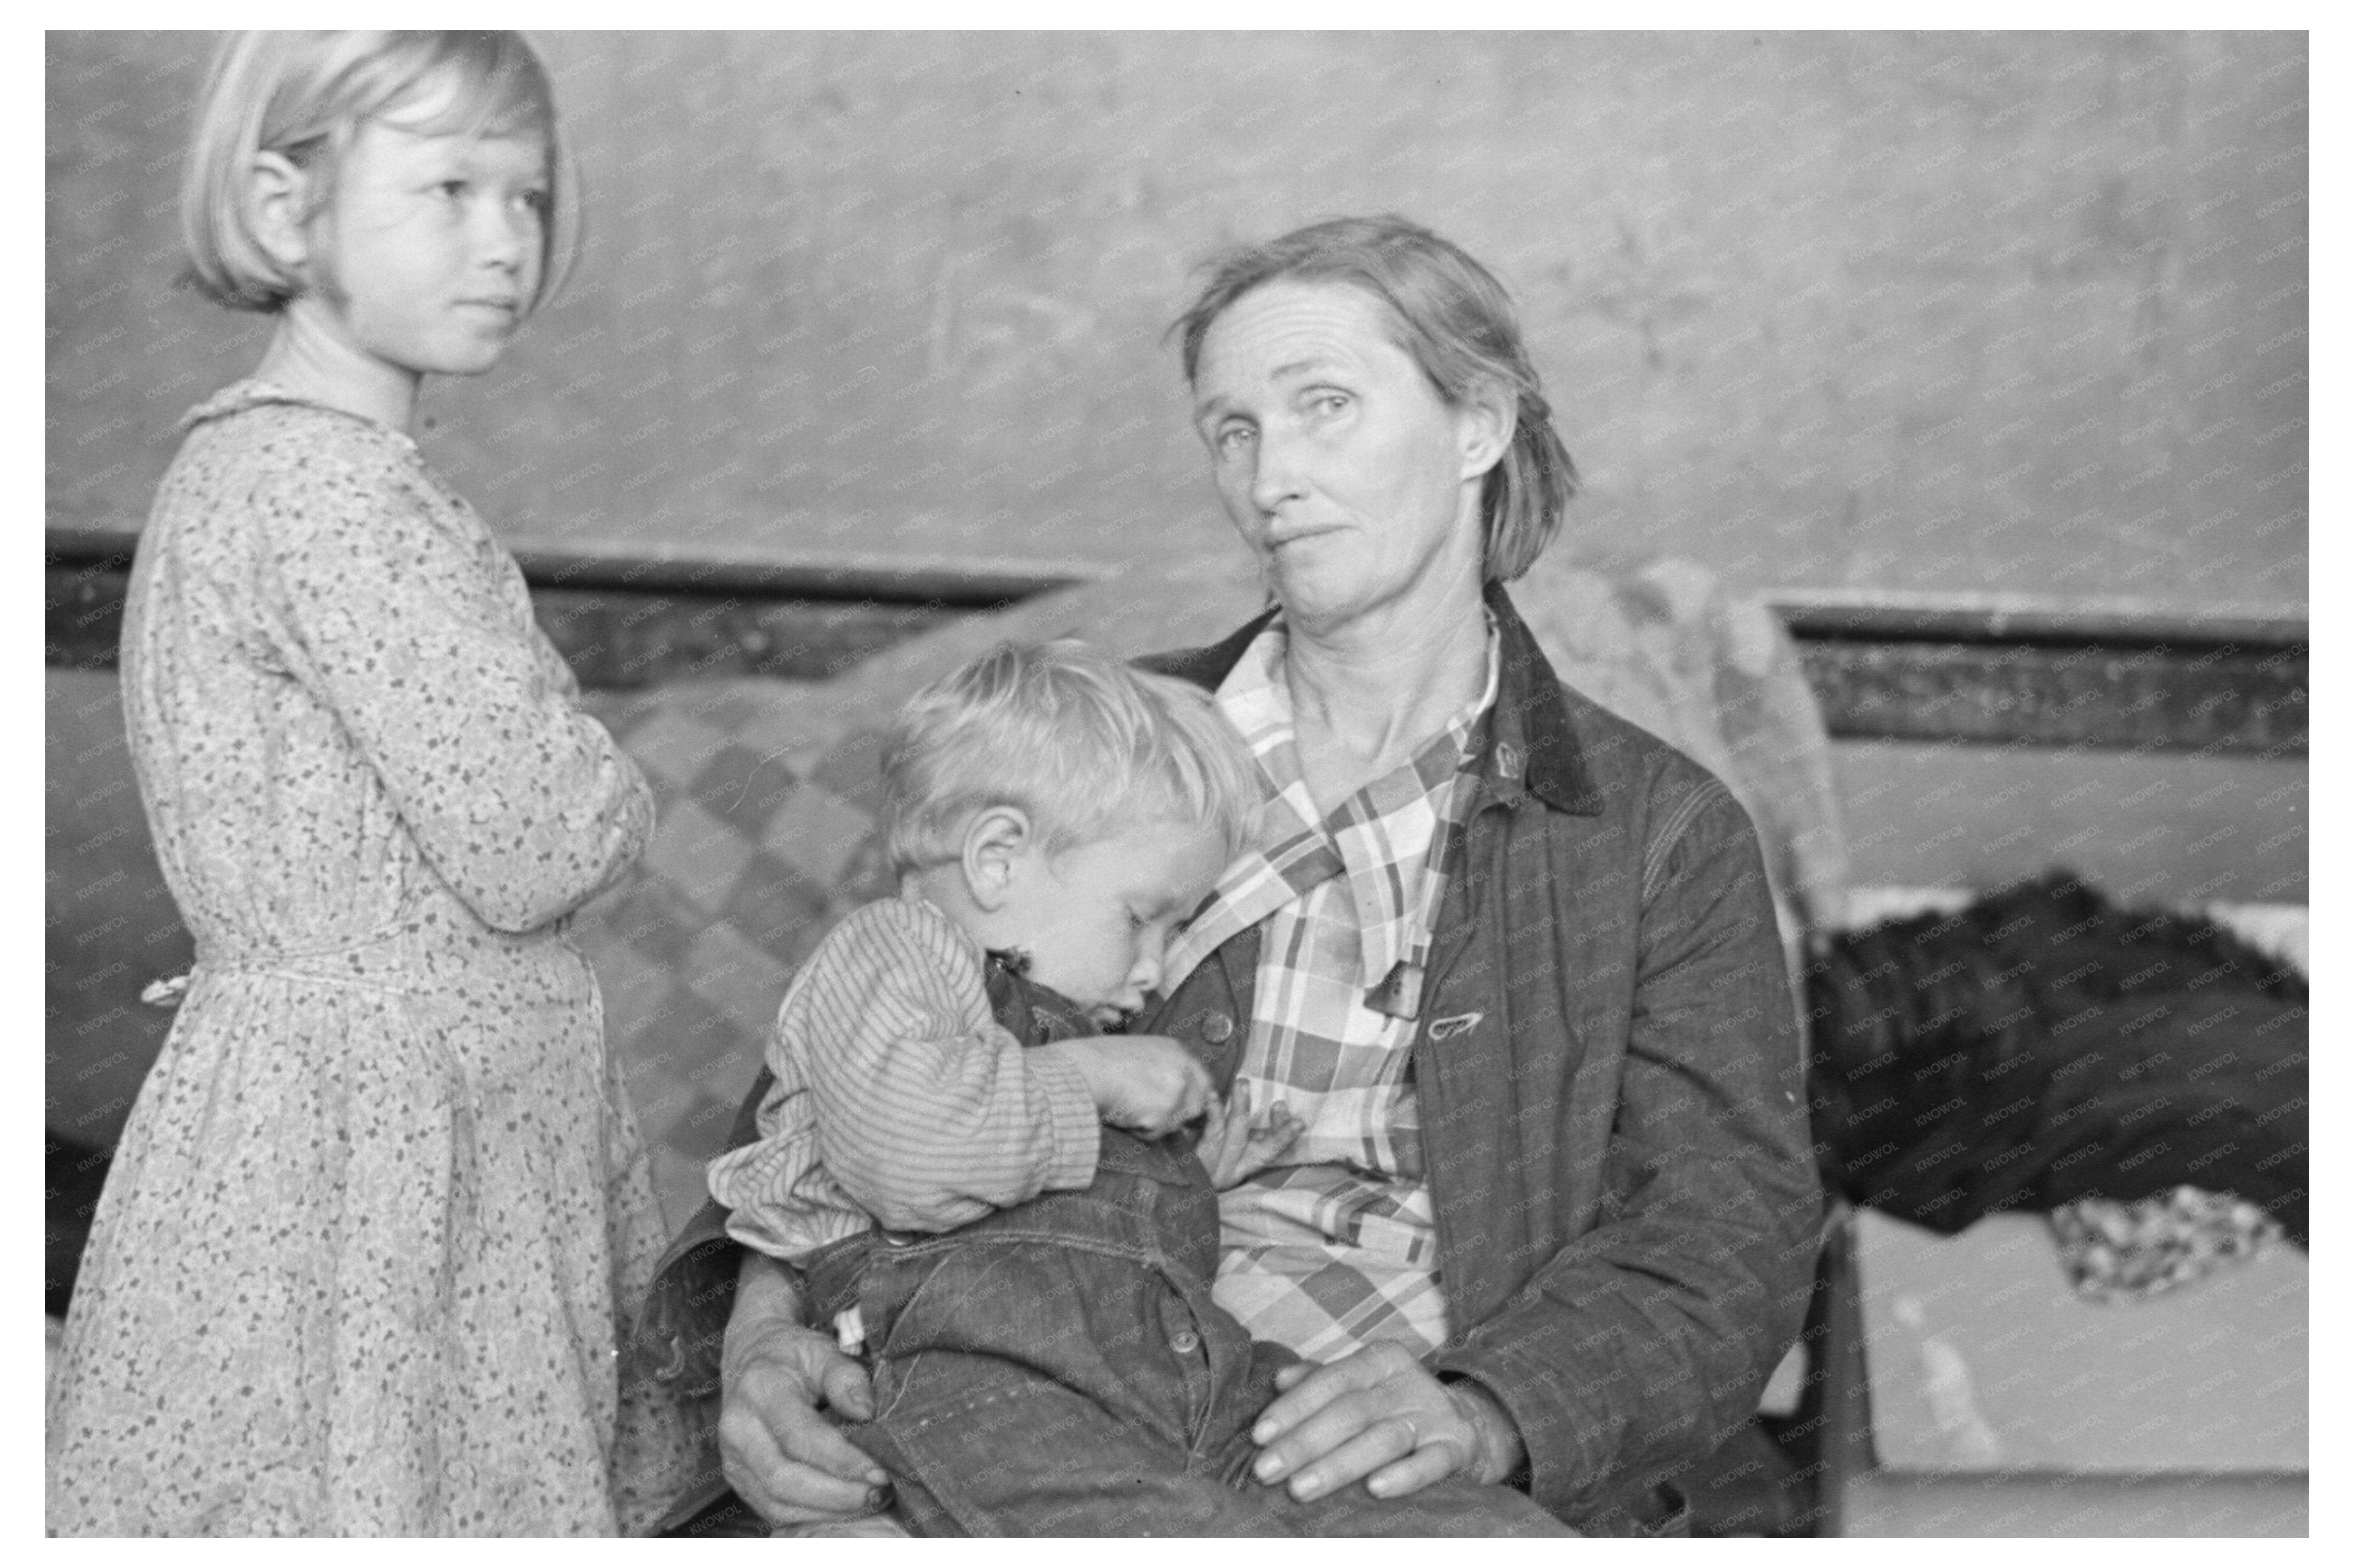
[(1646, 1340), (403, 624), (926, 1112)]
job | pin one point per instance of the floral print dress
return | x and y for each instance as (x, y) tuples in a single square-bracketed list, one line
[(381, 1206)]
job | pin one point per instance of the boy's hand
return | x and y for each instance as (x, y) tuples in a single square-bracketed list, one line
[(1145, 1082), (1236, 1145)]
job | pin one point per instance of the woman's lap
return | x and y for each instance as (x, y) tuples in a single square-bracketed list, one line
[(1025, 1455)]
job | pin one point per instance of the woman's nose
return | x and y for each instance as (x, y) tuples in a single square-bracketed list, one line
[(1276, 478)]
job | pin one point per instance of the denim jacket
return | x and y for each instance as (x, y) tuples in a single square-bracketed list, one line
[(1608, 1065)]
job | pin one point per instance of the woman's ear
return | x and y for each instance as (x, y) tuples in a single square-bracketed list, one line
[(279, 203), (996, 842), (1486, 418)]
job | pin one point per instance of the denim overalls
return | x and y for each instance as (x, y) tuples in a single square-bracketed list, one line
[(1058, 1368)]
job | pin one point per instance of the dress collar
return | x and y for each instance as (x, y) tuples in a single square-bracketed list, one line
[(253, 392)]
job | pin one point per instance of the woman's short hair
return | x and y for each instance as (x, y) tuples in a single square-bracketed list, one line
[(1451, 314), (304, 96), (1085, 745)]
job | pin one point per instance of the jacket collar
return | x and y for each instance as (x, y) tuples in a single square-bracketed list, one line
[(1531, 744)]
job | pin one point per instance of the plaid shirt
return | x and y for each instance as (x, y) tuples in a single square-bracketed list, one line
[(1336, 1247)]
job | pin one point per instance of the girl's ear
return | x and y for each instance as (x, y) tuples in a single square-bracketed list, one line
[(278, 194), (1486, 418), (995, 844)]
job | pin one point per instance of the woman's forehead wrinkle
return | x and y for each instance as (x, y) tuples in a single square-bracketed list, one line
[(1305, 361), (1268, 340)]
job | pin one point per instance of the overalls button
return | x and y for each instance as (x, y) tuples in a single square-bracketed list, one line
[(1184, 1341), (1216, 1028)]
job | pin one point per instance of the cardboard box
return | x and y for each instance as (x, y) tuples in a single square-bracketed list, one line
[(1972, 1393)]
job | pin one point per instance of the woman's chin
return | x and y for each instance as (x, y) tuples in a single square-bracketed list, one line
[(1312, 583), (1316, 601)]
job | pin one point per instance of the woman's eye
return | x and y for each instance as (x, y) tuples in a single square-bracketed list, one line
[(1329, 403), (537, 200), (453, 189), (1233, 438)]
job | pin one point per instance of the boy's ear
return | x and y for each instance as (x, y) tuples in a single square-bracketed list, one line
[(278, 197), (994, 843)]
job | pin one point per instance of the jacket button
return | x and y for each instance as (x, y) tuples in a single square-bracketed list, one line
[(1184, 1341), (1218, 1028)]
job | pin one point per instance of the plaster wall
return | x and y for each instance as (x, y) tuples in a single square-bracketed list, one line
[(2019, 313)]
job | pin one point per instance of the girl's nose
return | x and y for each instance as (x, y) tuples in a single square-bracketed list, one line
[(510, 233)]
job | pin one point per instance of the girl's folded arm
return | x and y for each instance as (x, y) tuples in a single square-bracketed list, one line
[(524, 804)]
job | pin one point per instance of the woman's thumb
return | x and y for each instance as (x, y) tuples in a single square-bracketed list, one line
[(847, 1389)]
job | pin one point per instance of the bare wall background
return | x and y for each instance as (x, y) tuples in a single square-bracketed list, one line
[(2020, 312), (1959, 314)]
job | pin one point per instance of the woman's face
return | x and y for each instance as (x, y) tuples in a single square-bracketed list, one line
[(1353, 480)]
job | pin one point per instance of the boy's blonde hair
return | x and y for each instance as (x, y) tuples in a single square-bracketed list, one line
[(1081, 743), (306, 95)]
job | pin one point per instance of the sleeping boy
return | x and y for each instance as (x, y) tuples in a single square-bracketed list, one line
[(987, 1189)]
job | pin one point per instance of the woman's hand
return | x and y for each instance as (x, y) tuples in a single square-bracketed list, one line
[(1379, 1414), (777, 1451)]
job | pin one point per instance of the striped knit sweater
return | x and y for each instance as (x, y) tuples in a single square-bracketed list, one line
[(899, 1100)]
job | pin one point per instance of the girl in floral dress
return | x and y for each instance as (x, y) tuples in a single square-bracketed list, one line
[(381, 1209)]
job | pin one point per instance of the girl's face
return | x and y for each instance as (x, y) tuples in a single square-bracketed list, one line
[(429, 253)]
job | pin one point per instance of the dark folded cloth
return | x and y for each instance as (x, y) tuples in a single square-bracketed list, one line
[(2044, 1045)]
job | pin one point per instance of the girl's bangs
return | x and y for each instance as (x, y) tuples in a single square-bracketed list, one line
[(488, 84)]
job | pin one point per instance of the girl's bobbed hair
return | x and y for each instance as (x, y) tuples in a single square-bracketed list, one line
[(1085, 745), (1457, 322), (304, 96)]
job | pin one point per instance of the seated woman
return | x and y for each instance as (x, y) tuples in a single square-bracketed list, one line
[(1512, 960)]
